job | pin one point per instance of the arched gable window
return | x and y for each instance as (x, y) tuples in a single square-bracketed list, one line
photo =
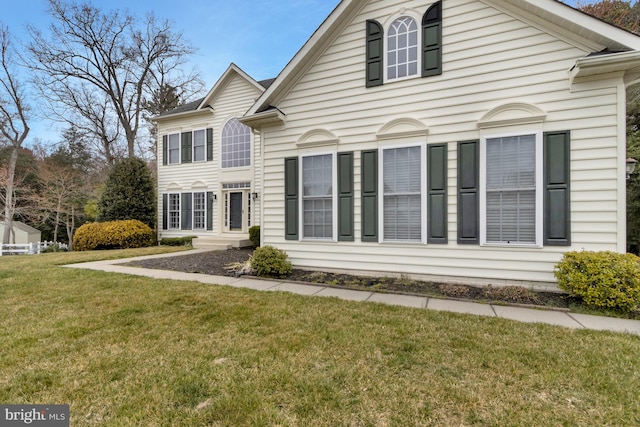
[(236, 144), (402, 48), (397, 53)]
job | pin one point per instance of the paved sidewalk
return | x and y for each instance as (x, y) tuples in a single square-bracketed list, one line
[(559, 318)]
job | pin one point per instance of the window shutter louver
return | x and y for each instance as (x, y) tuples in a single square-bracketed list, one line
[(375, 47), (437, 193), (291, 198), (165, 211), (209, 210), (186, 211), (345, 197), (209, 144), (165, 150), (557, 199), (468, 196), (186, 147), (369, 177), (432, 41)]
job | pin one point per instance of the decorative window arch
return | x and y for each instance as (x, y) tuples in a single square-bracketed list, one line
[(235, 145)]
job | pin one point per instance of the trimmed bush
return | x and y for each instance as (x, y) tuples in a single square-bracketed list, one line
[(254, 235), (268, 261), (601, 279), (177, 241), (125, 234)]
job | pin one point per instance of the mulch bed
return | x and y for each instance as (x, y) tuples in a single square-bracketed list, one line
[(214, 263)]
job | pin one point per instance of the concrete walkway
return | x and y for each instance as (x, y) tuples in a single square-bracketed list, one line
[(551, 317)]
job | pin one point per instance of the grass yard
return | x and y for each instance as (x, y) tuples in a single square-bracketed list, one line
[(133, 351)]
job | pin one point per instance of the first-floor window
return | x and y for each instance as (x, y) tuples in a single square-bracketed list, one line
[(511, 189), (174, 211), (402, 198), (199, 211), (317, 197)]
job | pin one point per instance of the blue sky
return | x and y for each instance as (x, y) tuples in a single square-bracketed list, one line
[(260, 36)]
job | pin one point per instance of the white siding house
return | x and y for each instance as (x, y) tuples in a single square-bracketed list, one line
[(471, 141), (207, 162)]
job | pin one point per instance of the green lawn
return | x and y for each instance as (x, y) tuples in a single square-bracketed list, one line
[(124, 350)]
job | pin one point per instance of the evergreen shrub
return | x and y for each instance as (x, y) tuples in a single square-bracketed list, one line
[(125, 234), (254, 235), (601, 279), (268, 261), (177, 241)]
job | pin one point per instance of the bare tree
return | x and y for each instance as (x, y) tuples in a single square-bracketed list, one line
[(101, 66), (13, 121)]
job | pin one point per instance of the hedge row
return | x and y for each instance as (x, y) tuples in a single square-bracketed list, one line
[(123, 234)]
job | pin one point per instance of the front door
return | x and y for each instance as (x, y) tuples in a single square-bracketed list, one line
[(235, 211)]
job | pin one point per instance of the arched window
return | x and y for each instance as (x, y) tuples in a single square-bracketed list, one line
[(236, 144), (402, 48)]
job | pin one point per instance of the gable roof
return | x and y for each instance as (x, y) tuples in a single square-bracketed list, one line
[(203, 103), (17, 225), (583, 30)]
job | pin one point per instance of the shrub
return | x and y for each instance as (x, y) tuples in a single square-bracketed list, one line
[(113, 235), (601, 279), (129, 193), (177, 241), (254, 235), (268, 261)]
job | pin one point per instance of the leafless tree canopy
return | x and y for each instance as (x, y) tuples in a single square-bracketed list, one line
[(96, 69), (13, 121)]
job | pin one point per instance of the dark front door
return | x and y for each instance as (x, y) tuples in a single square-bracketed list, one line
[(235, 211)]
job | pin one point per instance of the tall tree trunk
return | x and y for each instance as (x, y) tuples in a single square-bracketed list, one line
[(8, 202)]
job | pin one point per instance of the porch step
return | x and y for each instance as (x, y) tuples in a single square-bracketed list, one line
[(221, 243)]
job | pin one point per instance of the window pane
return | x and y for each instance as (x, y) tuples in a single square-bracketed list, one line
[(174, 148), (317, 194), (510, 190), (236, 145), (198, 145), (402, 48), (402, 194)]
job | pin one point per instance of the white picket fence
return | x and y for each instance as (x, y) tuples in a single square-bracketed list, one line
[(28, 248)]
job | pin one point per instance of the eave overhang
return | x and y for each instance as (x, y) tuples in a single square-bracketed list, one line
[(196, 113), (591, 67), (270, 117)]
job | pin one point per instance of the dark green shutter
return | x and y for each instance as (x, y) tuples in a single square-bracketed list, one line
[(165, 211), (209, 210), (345, 197), (164, 150), (375, 47), (432, 41), (369, 178), (437, 193), (186, 147), (468, 192), (291, 198), (209, 144), (186, 211), (557, 198)]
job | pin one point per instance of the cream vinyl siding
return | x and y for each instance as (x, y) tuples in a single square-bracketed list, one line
[(232, 100), (490, 58)]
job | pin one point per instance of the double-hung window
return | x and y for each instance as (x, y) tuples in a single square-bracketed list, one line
[(402, 183), (511, 176), (318, 197), (199, 211), (174, 211), (174, 148), (199, 146)]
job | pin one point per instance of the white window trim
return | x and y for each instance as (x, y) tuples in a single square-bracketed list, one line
[(193, 145), (418, 20), (169, 162), (251, 148), (193, 210), (539, 189), (423, 192), (334, 198)]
